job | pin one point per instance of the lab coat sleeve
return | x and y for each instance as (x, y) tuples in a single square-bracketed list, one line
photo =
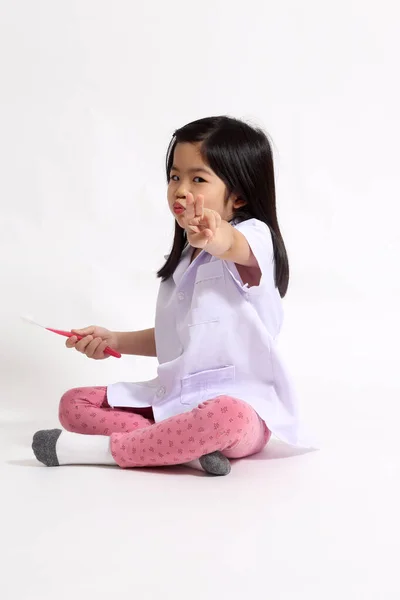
[(259, 238)]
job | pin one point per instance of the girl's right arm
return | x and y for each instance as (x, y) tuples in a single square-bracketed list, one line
[(96, 339), (139, 343)]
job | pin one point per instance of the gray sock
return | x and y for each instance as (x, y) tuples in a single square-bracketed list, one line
[(215, 463), (44, 446)]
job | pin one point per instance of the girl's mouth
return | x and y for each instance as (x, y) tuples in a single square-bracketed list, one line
[(178, 209)]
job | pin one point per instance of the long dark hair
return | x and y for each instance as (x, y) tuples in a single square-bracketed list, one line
[(241, 156)]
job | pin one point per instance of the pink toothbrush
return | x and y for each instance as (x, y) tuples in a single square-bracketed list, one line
[(107, 350)]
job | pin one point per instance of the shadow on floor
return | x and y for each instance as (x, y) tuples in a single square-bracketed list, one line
[(169, 470), (277, 449)]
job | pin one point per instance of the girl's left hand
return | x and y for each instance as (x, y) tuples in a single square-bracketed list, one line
[(201, 223)]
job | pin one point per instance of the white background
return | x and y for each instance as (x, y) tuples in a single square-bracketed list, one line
[(91, 93)]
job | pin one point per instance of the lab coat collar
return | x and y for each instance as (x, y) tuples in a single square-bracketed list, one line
[(184, 264)]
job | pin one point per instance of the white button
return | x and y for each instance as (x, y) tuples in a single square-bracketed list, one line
[(161, 391), (181, 295)]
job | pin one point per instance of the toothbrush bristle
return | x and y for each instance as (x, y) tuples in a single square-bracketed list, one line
[(31, 321)]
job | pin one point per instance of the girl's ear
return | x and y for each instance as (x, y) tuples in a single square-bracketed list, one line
[(238, 202)]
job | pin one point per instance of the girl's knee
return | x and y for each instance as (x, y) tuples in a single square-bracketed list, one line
[(68, 398), (232, 411), (67, 403)]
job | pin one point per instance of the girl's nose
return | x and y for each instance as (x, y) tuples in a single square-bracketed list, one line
[(181, 193)]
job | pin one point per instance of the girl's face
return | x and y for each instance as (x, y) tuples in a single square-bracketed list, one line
[(189, 173)]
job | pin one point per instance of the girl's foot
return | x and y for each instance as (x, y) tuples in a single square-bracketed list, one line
[(215, 463), (44, 446), (54, 447)]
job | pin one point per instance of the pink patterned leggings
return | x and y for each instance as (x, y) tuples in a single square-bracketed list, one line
[(223, 423)]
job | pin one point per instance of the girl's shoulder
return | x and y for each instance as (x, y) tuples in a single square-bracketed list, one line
[(252, 223), (255, 230)]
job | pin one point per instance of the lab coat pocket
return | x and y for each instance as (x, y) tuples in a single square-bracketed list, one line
[(210, 271), (202, 316), (209, 288), (204, 385)]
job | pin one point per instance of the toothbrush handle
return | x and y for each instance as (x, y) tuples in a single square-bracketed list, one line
[(107, 350)]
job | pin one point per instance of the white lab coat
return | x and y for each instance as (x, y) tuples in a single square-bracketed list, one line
[(216, 335)]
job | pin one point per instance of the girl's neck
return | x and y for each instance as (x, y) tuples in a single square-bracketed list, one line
[(196, 252)]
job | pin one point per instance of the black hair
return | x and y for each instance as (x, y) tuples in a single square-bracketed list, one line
[(241, 156)]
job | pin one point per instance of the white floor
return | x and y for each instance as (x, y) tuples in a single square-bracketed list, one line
[(283, 525)]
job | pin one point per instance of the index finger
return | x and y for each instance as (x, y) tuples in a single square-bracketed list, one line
[(189, 206)]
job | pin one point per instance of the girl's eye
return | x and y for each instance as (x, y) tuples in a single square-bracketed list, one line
[(202, 180), (173, 178)]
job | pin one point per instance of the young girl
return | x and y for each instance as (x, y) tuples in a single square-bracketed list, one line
[(221, 387)]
